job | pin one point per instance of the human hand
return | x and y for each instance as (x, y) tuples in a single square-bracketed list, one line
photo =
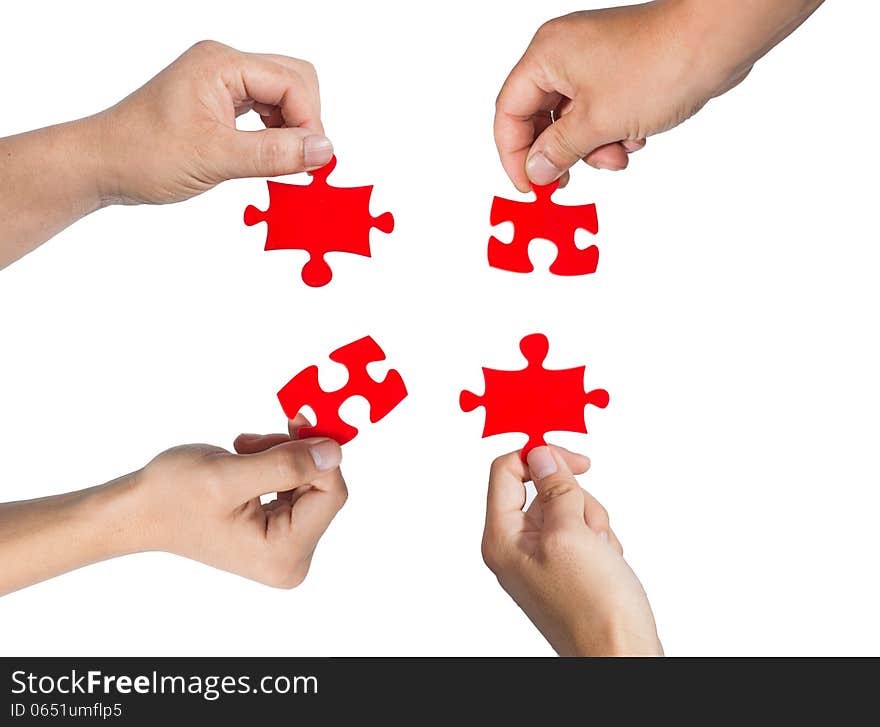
[(203, 502), (613, 77), (176, 137), (561, 562)]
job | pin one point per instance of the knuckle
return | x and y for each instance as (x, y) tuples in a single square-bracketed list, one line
[(270, 152), (339, 495), (556, 486), (501, 464), (489, 556), (212, 476), (496, 467), (492, 551), (546, 30), (308, 70), (599, 515), (562, 146), (208, 47), (290, 465), (273, 154)]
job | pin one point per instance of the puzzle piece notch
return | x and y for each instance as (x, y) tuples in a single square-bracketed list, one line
[(543, 219), (304, 389), (534, 400), (319, 219)]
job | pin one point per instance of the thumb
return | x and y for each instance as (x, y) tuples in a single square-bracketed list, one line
[(282, 467), (272, 152), (562, 498), (560, 146)]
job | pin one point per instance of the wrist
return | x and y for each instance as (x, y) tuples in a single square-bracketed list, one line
[(615, 639), (84, 154), (113, 518)]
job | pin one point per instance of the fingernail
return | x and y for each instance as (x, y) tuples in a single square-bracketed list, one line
[(603, 536), (317, 151), (326, 454), (607, 167), (540, 170), (541, 462)]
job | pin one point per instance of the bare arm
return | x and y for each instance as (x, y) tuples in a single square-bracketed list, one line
[(197, 501), (611, 78), (168, 141)]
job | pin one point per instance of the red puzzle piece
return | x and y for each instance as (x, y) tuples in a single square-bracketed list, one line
[(534, 400), (547, 220), (318, 218), (304, 390)]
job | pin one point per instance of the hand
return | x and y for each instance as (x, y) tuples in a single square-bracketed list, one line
[(198, 501), (203, 502), (561, 562), (613, 77), (175, 137)]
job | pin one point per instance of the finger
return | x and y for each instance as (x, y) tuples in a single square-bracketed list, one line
[(507, 478), (635, 145), (297, 423), (610, 156), (521, 111), (562, 499), (507, 493), (295, 140), (282, 467), (271, 152), (562, 144), (577, 463), (614, 542), (314, 510), (596, 518), (253, 443), (289, 87)]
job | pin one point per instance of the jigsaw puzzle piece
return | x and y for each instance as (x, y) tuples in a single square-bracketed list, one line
[(319, 218), (304, 390), (514, 255), (383, 395), (543, 219), (534, 400)]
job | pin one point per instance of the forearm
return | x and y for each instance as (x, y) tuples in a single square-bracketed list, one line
[(733, 34), (49, 178), (43, 538)]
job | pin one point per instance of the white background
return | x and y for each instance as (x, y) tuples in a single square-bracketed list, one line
[(733, 321)]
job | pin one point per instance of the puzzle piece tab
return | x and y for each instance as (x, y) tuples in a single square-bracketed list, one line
[(547, 220), (304, 390), (534, 400), (319, 219)]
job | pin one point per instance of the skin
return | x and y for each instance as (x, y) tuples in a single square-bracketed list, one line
[(561, 562), (197, 501), (616, 76), (170, 140), (591, 86)]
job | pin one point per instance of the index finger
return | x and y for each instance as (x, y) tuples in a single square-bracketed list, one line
[(507, 492), (522, 110), (282, 467), (271, 83), (312, 513)]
